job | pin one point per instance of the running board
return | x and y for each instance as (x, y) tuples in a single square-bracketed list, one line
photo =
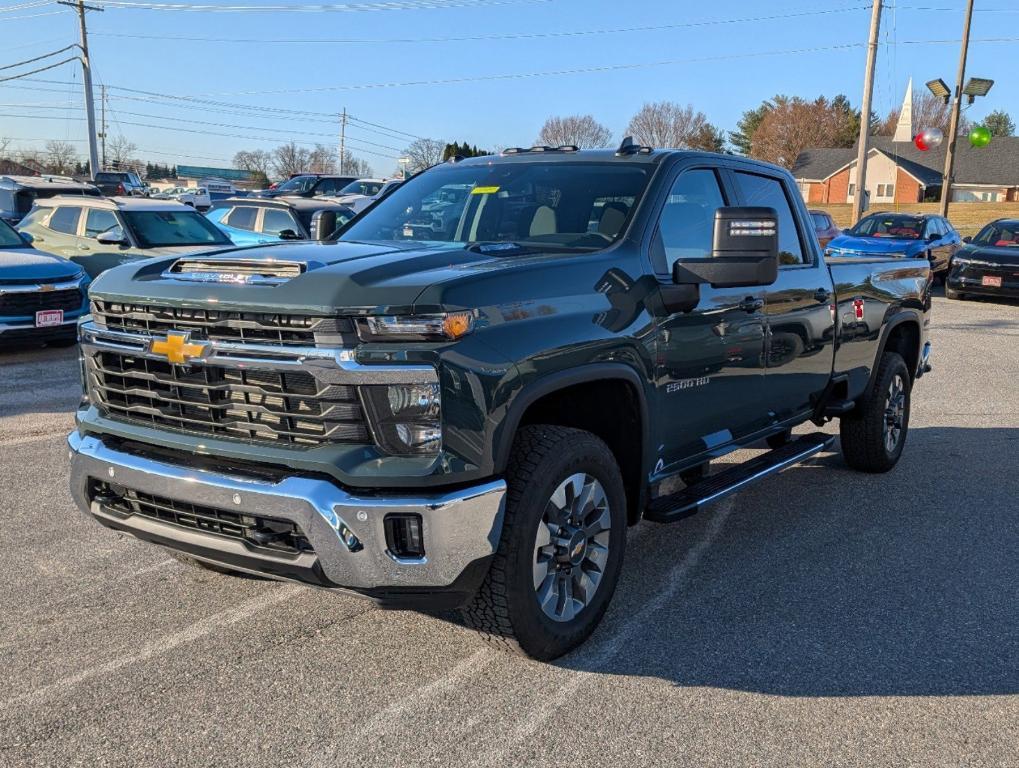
[(669, 509)]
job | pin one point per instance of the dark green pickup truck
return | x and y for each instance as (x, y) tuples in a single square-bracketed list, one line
[(466, 399)]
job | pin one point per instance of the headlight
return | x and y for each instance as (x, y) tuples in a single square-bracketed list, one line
[(439, 327), (406, 417)]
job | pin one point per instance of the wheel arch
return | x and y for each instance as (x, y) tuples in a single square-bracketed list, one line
[(901, 334)]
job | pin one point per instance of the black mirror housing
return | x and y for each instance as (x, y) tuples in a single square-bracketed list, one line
[(744, 251), (967, 239), (323, 224)]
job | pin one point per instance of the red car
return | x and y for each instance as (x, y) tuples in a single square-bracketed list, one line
[(824, 227)]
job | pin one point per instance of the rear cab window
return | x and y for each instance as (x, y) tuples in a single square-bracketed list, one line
[(770, 192)]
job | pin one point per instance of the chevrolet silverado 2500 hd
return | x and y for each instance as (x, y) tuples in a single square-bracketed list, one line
[(466, 405)]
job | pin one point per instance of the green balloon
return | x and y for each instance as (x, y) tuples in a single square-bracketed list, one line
[(979, 136)]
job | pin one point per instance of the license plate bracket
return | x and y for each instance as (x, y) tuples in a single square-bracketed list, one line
[(991, 281), (47, 318)]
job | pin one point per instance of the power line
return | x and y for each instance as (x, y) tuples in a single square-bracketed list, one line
[(390, 5), (38, 58), (491, 37), (40, 69)]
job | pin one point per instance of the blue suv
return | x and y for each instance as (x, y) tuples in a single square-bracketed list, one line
[(907, 235)]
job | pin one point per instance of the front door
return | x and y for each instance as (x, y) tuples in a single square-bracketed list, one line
[(710, 362)]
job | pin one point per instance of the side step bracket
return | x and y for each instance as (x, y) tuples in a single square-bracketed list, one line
[(669, 509)]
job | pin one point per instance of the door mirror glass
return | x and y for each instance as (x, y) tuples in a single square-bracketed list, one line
[(744, 251), (113, 236)]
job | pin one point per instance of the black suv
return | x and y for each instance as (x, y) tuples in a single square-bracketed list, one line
[(308, 185), (120, 184)]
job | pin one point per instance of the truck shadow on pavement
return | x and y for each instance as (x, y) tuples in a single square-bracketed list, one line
[(828, 582)]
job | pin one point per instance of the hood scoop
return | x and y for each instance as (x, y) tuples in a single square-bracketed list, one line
[(238, 271)]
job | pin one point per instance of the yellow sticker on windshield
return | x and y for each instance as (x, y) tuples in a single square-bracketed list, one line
[(484, 190)]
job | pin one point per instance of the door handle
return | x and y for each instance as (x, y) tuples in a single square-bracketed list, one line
[(752, 304), (821, 295)]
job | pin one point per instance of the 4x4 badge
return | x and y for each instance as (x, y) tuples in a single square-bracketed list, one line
[(178, 348)]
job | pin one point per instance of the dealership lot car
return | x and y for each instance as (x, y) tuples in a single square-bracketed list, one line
[(904, 235), (19, 193), (255, 221), (988, 265), (41, 296), (308, 185), (359, 194), (104, 232)]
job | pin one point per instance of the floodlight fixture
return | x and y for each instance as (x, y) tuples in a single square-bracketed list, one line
[(940, 89), (977, 86)]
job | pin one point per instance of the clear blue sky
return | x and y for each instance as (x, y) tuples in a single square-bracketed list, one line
[(502, 112)]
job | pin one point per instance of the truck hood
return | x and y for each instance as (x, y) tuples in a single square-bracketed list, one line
[(877, 246), (337, 276), (1004, 255), (27, 264)]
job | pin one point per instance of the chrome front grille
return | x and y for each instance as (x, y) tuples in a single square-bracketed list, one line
[(225, 325), (289, 408)]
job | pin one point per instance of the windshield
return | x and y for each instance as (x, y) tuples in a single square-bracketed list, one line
[(889, 225), (297, 184), (1004, 234), (9, 238), (163, 229), (541, 204), (368, 188)]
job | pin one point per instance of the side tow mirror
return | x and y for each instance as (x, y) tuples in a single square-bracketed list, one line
[(113, 236), (323, 224), (744, 251), (27, 238), (967, 239)]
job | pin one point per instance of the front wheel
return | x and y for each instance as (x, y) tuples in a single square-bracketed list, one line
[(874, 434), (561, 548)]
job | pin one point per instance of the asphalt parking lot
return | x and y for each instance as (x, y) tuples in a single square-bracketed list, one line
[(824, 617)]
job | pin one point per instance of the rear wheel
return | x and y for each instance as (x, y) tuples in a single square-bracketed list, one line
[(874, 434), (561, 548)]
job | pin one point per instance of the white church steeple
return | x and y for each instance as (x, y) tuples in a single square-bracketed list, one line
[(904, 128)]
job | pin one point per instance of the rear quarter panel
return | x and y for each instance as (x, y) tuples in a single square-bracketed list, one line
[(892, 291)]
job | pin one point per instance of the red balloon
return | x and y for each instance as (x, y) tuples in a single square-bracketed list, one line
[(919, 142)]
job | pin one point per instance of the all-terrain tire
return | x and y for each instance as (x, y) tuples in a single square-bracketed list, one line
[(864, 431), (506, 611)]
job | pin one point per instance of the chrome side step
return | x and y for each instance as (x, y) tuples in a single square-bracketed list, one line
[(668, 509)]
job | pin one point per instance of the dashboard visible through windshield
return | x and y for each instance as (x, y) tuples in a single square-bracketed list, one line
[(543, 206)]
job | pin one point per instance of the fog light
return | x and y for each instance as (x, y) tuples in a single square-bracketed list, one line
[(404, 536)]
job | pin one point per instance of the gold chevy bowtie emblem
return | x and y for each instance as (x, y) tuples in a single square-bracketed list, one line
[(177, 347)]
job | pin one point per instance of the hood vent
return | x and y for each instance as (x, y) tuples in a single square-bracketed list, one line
[(240, 271)]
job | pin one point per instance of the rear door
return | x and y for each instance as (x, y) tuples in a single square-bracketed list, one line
[(61, 235), (799, 349), (709, 375)]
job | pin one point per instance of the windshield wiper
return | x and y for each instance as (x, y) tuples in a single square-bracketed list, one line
[(508, 248)]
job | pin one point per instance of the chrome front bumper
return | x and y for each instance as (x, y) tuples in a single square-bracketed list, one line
[(460, 528)]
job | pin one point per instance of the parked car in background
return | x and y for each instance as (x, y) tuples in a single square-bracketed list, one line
[(824, 227), (308, 185), (120, 184), (908, 235), (19, 193), (197, 197), (253, 221), (99, 233), (359, 194), (988, 264), (41, 296)]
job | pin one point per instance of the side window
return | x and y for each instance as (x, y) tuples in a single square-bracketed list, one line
[(275, 221), (326, 187), (932, 229), (65, 220), (769, 192), (242, 217), (99, 221), (687, 225)]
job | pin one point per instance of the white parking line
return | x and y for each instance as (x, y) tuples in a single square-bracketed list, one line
[(160, 646), (614, 644)]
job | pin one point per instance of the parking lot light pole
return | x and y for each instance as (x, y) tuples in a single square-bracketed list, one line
[(953, 127), (868, 93)]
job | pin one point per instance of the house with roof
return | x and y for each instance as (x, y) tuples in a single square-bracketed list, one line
[(898, 172)]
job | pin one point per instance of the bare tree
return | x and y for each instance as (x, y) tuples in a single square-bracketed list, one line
[(791, 125), (288, 159), (4, 143), (257, 161), (424, 153), (62, 156), (668, 124), (322, 159), (928, 112), (120, 152), (578, 130), (355, 166)]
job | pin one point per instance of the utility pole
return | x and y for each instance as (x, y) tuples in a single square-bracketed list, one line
[(102, 102), (953, 126), (343, 141), (86, 70), (868, 94)]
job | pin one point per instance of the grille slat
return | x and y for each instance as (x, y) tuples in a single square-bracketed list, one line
[(224, 325), (288, 408), (254, 530), (16, 304)]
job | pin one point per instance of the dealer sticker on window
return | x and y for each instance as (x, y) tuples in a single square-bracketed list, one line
[(49, 317)]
